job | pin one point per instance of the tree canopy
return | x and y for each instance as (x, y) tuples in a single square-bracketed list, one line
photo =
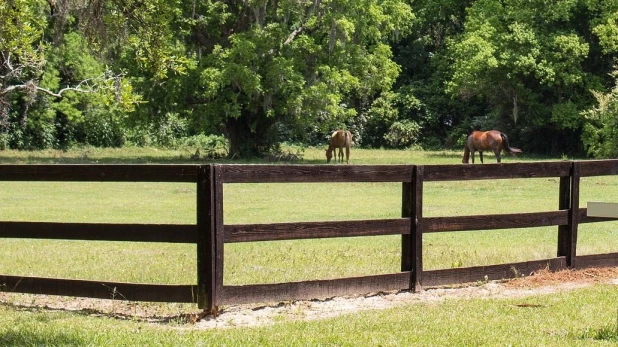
[(397, 73)]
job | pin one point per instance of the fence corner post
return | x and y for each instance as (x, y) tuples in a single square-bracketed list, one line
[(206, 288)]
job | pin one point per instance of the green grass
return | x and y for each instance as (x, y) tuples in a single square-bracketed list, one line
[(282, 261), (577, 318)]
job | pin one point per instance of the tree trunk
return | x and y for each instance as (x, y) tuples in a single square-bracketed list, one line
[(250, 135)]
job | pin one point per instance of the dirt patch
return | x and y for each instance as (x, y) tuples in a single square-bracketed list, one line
[(187, 316)]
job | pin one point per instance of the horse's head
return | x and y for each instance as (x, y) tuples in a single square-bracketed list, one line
[(329, 155)]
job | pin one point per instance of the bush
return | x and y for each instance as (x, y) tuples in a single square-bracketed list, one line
[(212, 146), (403, 133)]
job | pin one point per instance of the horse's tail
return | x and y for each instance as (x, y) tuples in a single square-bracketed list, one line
[(511, 150), (347, 142), (466, 156)]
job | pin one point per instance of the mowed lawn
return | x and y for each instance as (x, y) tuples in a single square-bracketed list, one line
[(279, 261)]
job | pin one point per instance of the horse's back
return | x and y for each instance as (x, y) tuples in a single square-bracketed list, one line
[(339, 137), (484, 140)]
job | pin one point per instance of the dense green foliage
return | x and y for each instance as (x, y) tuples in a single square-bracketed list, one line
[(256, 73)]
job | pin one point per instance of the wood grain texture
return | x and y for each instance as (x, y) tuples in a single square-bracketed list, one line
[(206, 253), (496, 221), (173, 233), (598, 167), (319, 289), (315, 173), (312, 230), (465, 172), (489, 272), (596, 260), (98, 289), (99, 173)]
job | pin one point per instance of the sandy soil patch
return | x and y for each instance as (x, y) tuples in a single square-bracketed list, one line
[(187, 316)]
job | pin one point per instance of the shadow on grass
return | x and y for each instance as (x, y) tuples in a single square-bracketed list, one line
[(121, 313)]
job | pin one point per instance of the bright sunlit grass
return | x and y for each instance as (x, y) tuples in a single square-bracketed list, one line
[(279, 261), (580, 318)]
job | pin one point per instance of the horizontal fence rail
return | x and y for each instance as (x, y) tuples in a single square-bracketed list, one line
[(210, 233), (171, 233), (99, 173)]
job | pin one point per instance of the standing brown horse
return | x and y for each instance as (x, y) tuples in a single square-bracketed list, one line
[(492, 140), (339, 139)]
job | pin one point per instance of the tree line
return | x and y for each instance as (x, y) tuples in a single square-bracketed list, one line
[(253, 74)]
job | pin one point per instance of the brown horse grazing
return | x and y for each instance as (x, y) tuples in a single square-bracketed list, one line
[(484, 141), (339, 139)]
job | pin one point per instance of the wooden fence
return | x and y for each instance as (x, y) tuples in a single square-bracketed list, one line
[(210, 233)]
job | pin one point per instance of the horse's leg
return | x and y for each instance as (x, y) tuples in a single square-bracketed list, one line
[(481, 156), (472, 154), (347, 154), (497, 152)]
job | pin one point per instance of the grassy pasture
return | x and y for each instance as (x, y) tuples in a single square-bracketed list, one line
[(280, 261)]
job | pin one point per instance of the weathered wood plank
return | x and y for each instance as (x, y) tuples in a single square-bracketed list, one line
[(206, 254), (311, 230), (315, 173), (219, 236), (417, 228), (99, 172), (99, 289), (598, 167), (443, 277), (596, 260), (495, 221), (318, 289), (571, 241), (564, 203), (495, 171), (173, 233)]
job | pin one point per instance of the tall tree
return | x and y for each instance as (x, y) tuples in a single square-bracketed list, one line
[(534, 61), (288, 63)]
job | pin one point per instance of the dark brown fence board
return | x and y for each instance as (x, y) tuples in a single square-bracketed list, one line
[(417, 227), (311, 230), (315, 173), (99, 289), (598, 167), (99, 172), (219, 236), (235, 295), (173, 233), (564, 203), (206, 254), (489, 272), (571, 237), (596, 260), (496, 221), (495, 171)]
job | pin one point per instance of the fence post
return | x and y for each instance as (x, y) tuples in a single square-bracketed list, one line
[(412, 245), (206, 289), (569, 199), (218, 232), (417, 234)]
